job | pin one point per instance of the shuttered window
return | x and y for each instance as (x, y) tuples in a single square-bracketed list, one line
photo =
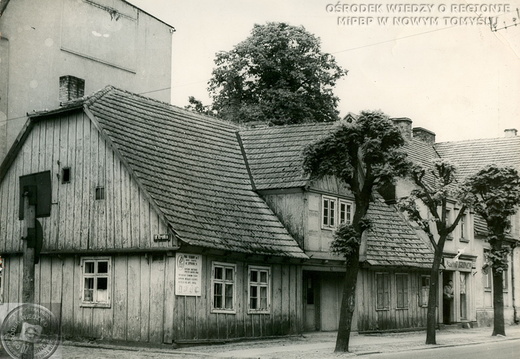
[(382, 291), (425, 290), (401, 286)]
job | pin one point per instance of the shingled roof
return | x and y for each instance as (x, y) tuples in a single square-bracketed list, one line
[(391, 241), (275, 156), (472, 155), (275, 159), (193, 169)]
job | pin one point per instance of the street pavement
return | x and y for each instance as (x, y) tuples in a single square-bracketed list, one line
[(321, 345)]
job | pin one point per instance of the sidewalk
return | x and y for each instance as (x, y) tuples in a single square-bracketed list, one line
[(314, 345)]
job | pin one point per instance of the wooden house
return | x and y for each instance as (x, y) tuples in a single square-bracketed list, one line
[(155, 232), (392, 284)]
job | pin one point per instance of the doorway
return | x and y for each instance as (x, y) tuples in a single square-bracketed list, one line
[(311, 301), (448, 295)]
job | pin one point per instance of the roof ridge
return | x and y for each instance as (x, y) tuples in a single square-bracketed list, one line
[(478, 139)]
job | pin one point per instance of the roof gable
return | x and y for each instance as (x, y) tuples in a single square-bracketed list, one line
[(193, 169)]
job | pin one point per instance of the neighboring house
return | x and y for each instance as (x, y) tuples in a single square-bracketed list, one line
[(470, 156), (80, 45), (155, 233), (393, 282), (464, 251)]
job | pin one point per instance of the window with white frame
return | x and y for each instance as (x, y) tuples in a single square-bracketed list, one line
[(223, 287), (505, 280), (96, 281), (463, 227), (329, 212), (259, 292), (345, 212), (401, 286)]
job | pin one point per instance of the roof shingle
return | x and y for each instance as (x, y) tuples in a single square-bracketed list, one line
[(192, 167)]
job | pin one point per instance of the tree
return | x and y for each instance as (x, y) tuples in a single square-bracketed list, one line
[(496, 196), (278, 75), (197, 106), (365, 154), (436, 186)]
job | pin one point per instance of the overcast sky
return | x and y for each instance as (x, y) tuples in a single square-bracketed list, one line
[(459, 80)]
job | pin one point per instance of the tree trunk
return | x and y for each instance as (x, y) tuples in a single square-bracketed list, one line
[(431, 317), (347, 303), (498, 303)]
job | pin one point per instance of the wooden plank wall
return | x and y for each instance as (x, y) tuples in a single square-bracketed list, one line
[(124, 219), (371, 319), (143, 304), (289, 208)]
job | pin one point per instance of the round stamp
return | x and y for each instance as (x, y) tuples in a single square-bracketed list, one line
[(30, 331)]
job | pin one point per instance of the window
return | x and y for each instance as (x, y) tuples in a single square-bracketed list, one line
[(96, 282), (383, 291), (486, 270), (223, 286), (463, 229), (449, 221), (425, 290), (65, 175), (505, 281), (401, 285), (259, 293), (345, 212), (100, 192), (329, 212)]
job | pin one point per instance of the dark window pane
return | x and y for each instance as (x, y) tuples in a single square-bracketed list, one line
[(254, 276), (102, 283), (89, 267), (102, 267), (218, 272)]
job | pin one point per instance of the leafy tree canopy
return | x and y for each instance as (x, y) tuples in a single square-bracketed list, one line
[(364, 153), (278, 75), (495, 196)]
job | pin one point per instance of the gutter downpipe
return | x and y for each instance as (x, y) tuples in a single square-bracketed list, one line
[(515, 314)]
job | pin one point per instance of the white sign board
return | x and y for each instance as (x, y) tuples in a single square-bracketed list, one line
[(188, 274)]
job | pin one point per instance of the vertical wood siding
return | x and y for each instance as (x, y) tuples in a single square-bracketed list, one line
[(124, 219), (370, 319), (144, 306)]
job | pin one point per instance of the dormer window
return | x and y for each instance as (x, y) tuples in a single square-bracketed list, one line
[(329, 212), (335, 211), (345, 212)]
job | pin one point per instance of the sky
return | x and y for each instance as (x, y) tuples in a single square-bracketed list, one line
[(439, 63)]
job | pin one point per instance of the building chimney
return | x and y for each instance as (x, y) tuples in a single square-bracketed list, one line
[(405, 125), (510, 132), (424, 135), (71, 88)]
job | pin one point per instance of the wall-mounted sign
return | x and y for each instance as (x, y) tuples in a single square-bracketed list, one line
[(162, 237), (463, 266), (188, 274)]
